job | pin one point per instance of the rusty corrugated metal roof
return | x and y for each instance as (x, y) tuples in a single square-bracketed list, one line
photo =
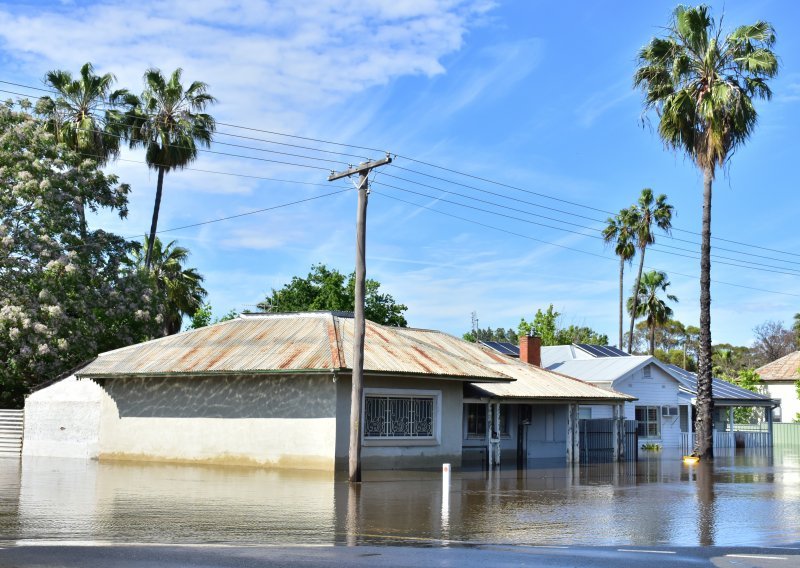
[(323, 341)]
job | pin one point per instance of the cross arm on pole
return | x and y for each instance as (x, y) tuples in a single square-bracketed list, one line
[(361, 168)]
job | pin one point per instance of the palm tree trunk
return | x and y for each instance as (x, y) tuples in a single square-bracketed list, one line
[(635, 298), (154, 223), (621, 274), (704, 426), (653, 338)]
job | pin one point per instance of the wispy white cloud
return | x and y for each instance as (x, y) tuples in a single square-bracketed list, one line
[(603, 101)]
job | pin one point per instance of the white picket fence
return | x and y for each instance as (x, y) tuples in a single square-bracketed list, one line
[(742, 439), (10, 432)]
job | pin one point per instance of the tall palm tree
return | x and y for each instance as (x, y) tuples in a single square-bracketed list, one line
[(649, 210), (619, 231), (701, 85), (645, 303), (180, 288), (169, 122), (84, 118)]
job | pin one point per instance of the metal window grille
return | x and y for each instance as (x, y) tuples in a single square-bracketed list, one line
[(398, 417)]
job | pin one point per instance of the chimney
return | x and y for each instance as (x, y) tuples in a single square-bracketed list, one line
[(530, 350)]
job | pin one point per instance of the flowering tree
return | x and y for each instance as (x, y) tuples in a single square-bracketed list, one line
[(63, 298)]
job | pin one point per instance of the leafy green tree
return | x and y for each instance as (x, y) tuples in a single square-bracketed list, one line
[(620, 231), (796, 329), (329, 289), (750, 380), (60, 308), (489, 334), (169, 122), (645, 303), (648, 211), (180, 288), (82, 116), (204, 316), (701, 85), (546, 324)]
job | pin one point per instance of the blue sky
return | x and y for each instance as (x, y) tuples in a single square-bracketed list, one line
[(535, 95)]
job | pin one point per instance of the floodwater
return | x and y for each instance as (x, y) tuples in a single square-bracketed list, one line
[(740, 499)]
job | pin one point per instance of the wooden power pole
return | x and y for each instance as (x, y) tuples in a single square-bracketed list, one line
[(359, 326)]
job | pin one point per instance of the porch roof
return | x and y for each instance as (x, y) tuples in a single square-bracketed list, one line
[(724, 393)]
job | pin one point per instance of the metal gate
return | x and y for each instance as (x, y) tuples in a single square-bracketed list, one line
[(597, 440)]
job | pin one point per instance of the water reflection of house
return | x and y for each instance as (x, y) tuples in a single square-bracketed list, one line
[(275, 390), (666, 394)]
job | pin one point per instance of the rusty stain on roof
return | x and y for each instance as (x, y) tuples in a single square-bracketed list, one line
[(323, 342)]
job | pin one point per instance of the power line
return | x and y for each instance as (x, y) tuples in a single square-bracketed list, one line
[(443, 168), (693, 277)]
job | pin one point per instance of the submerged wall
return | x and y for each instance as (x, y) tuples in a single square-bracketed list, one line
[(63, 420), (284, 421)]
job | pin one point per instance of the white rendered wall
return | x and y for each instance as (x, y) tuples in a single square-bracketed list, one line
[(787, 393), (276, 421), (63, 420)]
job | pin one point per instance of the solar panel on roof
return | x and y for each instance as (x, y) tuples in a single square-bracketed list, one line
[(601, 350), (502, 347)]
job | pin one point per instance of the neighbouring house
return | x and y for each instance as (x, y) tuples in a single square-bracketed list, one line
[(274, 390), (781, 379), (665, 394)]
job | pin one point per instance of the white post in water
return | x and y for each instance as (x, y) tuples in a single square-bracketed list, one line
[(445, 500)]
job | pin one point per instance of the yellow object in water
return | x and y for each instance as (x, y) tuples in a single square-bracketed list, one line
[(690, 459)]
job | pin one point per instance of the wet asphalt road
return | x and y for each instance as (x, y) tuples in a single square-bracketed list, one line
[(84, 555)]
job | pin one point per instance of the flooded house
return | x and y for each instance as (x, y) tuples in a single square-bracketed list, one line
[(274, 390), (781, 382), (665, 395)]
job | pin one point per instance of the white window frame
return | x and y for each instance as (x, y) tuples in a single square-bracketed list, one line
[(433, 440), (646, 422)]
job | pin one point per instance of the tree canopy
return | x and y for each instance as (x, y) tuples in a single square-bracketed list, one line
[(328, 289), (66, 295), (547, 325)]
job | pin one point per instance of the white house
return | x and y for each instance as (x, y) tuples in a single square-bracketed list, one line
[(274, 390), (665, 394), (780, 378)]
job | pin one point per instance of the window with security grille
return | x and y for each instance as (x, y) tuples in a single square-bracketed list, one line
[(398, 416), (649, 421)]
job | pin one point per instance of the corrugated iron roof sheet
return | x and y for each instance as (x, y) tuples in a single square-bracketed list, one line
[(721, 390), (601, 369), (320, 341), (786, 368)]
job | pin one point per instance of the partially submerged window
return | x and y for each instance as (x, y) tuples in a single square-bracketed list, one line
[(398, 416), (649, 421)]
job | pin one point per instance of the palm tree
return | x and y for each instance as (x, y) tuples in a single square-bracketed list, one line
[(702, 86), (83, 117), (649, 210), (620, 232), (169, 122), (180, 288), (645, 303)]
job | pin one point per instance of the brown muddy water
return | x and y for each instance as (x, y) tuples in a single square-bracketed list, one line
[(740, 499)]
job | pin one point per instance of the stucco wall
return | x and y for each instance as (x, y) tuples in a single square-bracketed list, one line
[(63, 420), (787, 393), (395, 454), (277, 421)]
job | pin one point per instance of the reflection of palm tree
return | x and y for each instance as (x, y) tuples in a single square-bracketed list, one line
[(702, 85), (706, 510), (620, 232), (79, 117), (646, 303), (169, 123), (649, 210), (181, 288)]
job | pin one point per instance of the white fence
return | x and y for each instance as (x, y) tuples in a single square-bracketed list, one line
[(738, 439), (10, 432)]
